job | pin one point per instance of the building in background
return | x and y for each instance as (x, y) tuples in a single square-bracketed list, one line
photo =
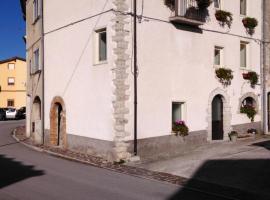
[(13, 73), (88, 56)]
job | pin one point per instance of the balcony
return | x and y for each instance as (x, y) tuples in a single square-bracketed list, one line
[(187, 12)]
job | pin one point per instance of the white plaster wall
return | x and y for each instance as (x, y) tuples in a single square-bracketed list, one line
[(177, 65), (69, 67)]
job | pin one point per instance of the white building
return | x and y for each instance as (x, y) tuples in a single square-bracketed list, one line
[(88, 62)]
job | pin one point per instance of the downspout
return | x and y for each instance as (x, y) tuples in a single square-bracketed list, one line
[(135, 74), (43, 77), (263, 70)]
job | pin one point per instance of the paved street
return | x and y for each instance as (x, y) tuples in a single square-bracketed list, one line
[(27, 174)]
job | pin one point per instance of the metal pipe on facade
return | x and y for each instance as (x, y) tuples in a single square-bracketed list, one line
[(43, 76), (264, 106), (135, 74)]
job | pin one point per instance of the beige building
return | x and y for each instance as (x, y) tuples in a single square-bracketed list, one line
[(13, 82)]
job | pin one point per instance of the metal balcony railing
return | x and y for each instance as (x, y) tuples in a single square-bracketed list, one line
[(187, 12)]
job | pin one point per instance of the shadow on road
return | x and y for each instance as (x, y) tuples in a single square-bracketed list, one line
[(12, 171), (265, 144), (220, 179)]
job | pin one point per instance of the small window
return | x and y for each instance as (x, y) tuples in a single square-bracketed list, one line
[(243, 55), (101, 45), (11, 66), (249, 101), (243, 7), (11, 81), (178, 111), (36, 61), (218, 56), (10, 103), (217, 4), (36, 12)]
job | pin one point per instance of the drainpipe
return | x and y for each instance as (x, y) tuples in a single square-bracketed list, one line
[(263, 70), (135, 74), (43, 77)]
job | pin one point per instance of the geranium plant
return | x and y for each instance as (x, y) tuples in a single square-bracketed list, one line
[(249, 110), (203, 4), (224, 18), (250, 24), (224, 75), (252, 77), (180, 128)]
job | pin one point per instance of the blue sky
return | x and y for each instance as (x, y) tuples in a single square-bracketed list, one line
[(12, 29)]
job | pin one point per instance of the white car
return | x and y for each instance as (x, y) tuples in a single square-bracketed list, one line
[(11, 113)]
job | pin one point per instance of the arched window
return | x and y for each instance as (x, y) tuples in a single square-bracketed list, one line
[(249, 101)]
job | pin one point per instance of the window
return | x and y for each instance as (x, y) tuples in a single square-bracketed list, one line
[(218, 56), (36, 12), (217, 4), (243, 7), (11, 66), (10, 103), (11, 81), (243, 54), (36, 61), (101, 45), (249, 101), (178, 111)]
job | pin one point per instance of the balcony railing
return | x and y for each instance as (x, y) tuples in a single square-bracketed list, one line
[(187, 12)]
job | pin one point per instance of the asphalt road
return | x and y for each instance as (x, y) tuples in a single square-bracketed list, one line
[(27, 174)]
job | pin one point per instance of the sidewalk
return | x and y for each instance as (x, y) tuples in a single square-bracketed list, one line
[(244, 165)]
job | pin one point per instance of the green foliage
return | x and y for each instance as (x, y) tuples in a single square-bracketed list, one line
[(224, 18), (203, 4), (224, 75), (250, 24), (170, 3), (253, 78), (250, 111), (180, 128)]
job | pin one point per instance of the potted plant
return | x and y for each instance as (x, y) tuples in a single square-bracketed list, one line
[(180, 128), (224, 18), (252, 77), (252, 131), (250, 24), (233, 136), (203, 4), (249, 110), (224, 75)]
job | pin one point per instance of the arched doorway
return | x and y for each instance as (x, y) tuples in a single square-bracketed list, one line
[(36, 129), (58, 123), (268, 110), (217, 118)]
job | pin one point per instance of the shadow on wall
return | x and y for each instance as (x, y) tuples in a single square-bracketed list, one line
[(228, 179), (12, 171)]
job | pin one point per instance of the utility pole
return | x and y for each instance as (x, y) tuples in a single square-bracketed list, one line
[(135, 74)]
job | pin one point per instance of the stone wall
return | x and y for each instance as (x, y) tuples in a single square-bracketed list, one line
[(242, 128), (169, 146), (120, 77)]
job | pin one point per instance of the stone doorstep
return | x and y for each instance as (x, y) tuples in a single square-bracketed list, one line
[(187, 184)]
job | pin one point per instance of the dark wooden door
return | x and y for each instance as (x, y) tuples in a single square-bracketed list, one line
[(268, 110), (217, 118)]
